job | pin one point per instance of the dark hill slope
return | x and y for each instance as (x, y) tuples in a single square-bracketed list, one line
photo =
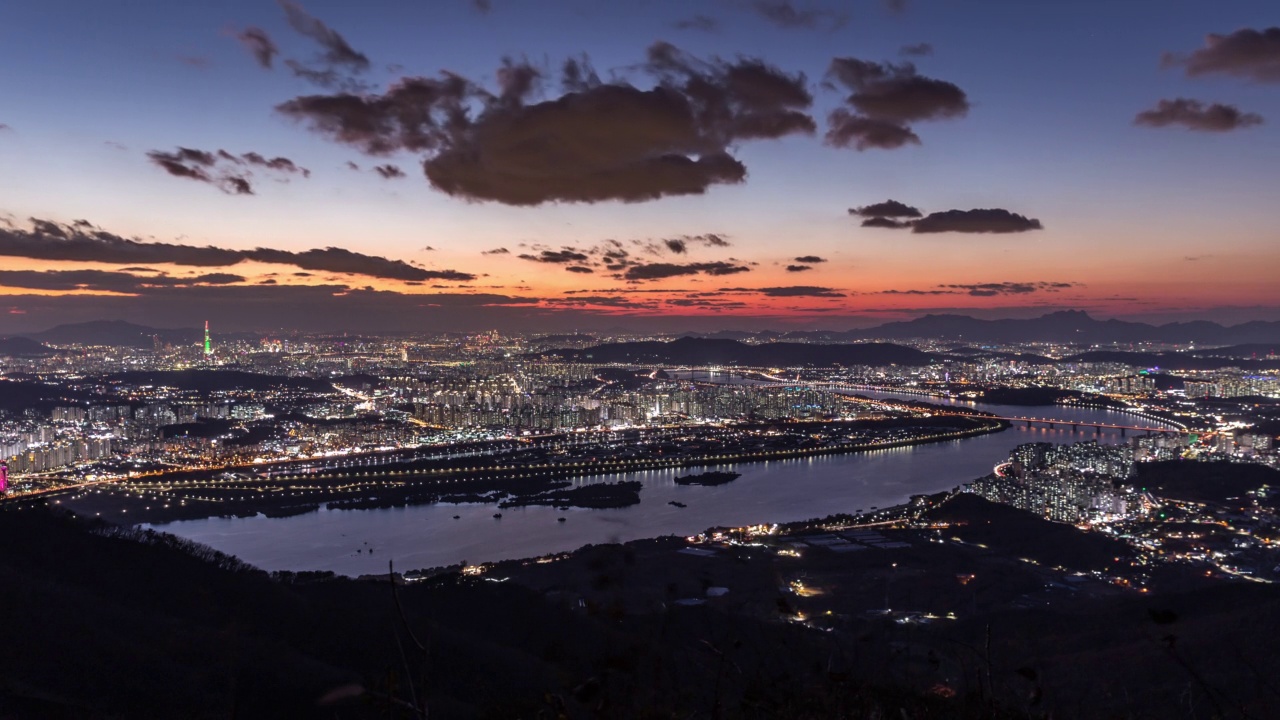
[(117, 333), (24, 347), (138, 626), (1018, 533)]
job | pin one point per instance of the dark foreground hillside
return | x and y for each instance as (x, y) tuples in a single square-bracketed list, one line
[(102, 624)]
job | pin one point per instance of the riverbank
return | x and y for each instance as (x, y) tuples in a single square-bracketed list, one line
[(298, 494)]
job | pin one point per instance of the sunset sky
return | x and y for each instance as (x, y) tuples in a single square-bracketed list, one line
[(697, 165)]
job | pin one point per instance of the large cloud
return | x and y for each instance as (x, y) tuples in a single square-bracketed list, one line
[(82, 242), (659, 271), (596, 142), (885, 99), (1195, 115), (1246, 53), (986, 220)]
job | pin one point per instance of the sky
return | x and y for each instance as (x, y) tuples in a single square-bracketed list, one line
[(667, 165)]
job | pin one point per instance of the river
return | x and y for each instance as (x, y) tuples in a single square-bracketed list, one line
[(355, 542)]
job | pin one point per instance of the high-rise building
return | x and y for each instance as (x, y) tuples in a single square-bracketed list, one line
[(4, 478), (208, 346)]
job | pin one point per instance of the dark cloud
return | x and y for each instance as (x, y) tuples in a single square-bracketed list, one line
[(1008, 288), (611, 301), (236, 185), (336, 50), (789, 291), (259, 44), (333, 259), (896, 6), (484, 7), (885, 99), (566, 255), (785, 14), (703, 23), (415, 114), (708, 239), (918, 50), (846, 129), (579, 269), (597, 142), (81, 242), (105, 280), (917, 292), (988, 289), (798, 268), (389, 171), (676, 245), (496, 251), (279, 164), (886, 209), (810, 259), (886, 223), (705, 303), (229, 173), (329, 78), (659, 271), (988, 220), (1246, 53), (1195, 115)]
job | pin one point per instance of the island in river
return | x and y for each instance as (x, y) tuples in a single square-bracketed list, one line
[(710, 478)]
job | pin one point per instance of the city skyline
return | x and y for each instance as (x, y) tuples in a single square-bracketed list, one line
[(666, 166)]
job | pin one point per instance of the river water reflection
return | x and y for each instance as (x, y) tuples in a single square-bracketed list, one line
[(354, 542)]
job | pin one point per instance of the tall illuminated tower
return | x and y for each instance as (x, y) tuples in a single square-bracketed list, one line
[(208, 346)]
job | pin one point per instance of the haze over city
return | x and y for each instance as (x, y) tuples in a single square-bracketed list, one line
[(658, 165)]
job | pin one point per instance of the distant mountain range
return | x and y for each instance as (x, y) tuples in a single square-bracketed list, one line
[(1067, 326), (115, 333), (1249, 340), (713, 351)]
